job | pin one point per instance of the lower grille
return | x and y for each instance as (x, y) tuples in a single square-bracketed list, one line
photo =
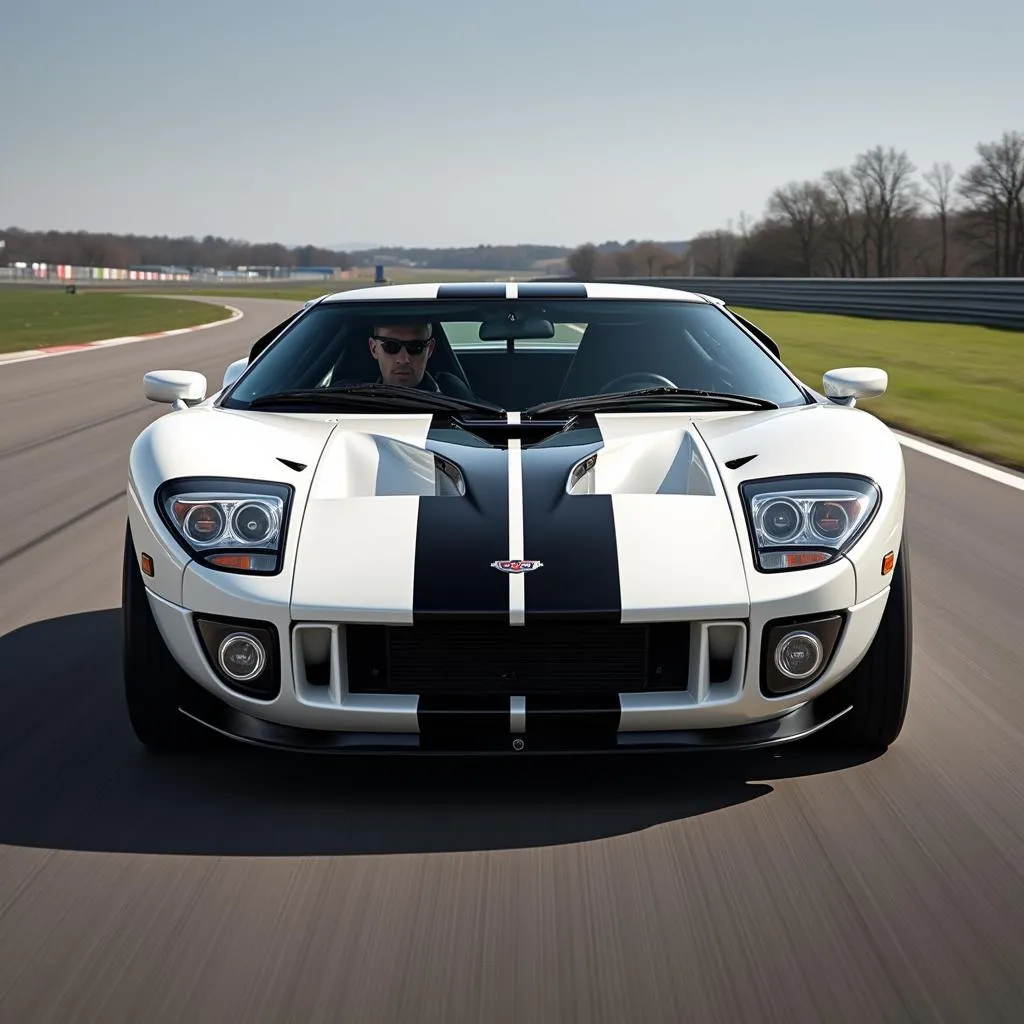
[(517, 660)]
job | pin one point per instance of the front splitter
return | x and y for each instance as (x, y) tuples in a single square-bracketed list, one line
[(481, 736)]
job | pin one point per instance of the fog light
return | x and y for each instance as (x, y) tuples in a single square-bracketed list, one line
[(799, 655), (241, 656)]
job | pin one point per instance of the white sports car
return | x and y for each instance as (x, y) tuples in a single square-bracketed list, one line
[(529, 517)]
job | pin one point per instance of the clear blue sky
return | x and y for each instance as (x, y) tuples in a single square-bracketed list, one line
[(457, 122)]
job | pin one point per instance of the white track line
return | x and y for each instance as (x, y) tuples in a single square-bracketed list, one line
[(48, 352), (985, 469)]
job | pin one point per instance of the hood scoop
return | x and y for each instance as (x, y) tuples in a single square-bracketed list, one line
[(662, 462), (363, 465), (297, 466)]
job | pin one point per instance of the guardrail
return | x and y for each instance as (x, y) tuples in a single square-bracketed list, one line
[(991, 301)]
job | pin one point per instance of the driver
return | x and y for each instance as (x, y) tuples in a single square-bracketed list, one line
[(402, 351)]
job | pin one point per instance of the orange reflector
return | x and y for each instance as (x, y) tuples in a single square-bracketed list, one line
[(887, 563), (147, 564), (794, 558), (233, 561)]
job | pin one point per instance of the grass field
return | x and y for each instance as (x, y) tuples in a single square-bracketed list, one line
[(957, 384), (39, 317)]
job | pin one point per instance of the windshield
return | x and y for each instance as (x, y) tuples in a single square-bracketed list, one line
[(514, 355)]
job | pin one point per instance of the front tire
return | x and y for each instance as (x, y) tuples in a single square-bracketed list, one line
[(879, 687), (152, 678)]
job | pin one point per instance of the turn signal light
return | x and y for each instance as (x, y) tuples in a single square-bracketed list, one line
[(792, 559), (887, 563), (244, 562), (147, 563)]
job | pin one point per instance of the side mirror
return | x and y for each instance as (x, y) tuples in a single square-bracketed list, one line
[(845, 385), (180, 388), (234, 371)]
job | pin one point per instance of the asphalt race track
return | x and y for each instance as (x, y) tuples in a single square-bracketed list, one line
[(790, 886)]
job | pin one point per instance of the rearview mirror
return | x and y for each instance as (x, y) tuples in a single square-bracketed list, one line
[(234, 371), (848, 383), (511, 325), (180, 388)]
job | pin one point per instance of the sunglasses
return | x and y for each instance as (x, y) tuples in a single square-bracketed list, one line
[(392, 347)]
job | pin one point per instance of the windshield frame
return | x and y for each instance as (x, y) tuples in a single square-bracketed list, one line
[(443, 310)]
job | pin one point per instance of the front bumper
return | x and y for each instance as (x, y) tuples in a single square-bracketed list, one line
[(719, 705)]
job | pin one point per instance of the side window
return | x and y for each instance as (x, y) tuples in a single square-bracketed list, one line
[(261, 343), (302, 358), (758, 333)]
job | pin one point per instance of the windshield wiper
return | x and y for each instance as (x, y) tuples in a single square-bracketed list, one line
[(373, 396), (651, 396)]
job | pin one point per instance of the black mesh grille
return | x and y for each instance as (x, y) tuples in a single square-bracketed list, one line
[(498, 659)]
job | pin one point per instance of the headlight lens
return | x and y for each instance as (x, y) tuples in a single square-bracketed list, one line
[(806, 521), (234, 525)]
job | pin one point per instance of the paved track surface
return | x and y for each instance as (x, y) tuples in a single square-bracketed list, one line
[(795, 886)]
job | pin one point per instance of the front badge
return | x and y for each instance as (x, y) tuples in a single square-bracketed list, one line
[(516, 565)]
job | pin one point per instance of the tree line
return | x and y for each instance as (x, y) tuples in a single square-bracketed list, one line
[(104, 249), (876, 218), (89, 249)]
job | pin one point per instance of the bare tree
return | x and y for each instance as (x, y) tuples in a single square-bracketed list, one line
[(583, 261), (993, 189), (889, 196), (800, 206), (940, 180), (768, 250), (844, 223), (714, 253), (873, 218), (654, 258)]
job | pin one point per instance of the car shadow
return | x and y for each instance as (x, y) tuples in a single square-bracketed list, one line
[(73, 777)]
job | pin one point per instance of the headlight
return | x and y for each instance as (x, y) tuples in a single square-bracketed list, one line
[(234, 525), (806, 521)]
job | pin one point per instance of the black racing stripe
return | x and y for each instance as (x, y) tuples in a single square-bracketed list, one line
[(552, 290), (572, 721), (463, 722), (472, 290), (574, 536), (457, 539)]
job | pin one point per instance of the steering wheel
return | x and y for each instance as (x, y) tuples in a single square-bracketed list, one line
[(641, 379)]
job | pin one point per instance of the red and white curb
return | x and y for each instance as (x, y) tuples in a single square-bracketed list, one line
[(48, 351)]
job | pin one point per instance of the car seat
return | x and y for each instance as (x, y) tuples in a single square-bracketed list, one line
[(657, 345)]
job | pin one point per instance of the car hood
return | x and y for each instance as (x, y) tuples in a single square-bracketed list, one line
[(209, 442), (627, 521), (820, 438)]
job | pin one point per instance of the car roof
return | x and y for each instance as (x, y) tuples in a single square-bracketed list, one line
[(513, 289)]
